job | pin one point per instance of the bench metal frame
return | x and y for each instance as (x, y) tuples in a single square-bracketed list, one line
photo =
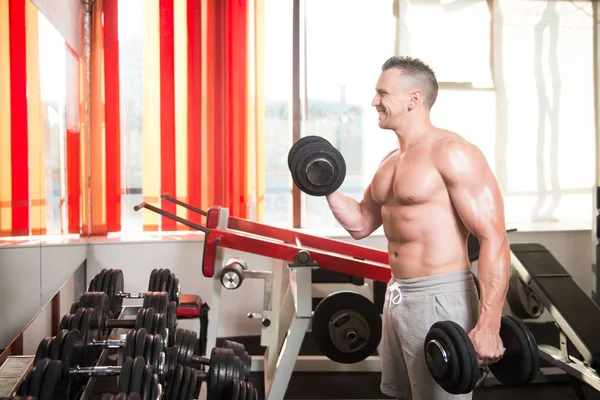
[(560, 357)]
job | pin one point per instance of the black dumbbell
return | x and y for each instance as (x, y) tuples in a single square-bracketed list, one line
[(121, 396), (50, 379), (452, 361), (140, 347), (161, 319), (185, 342), (111, 282)]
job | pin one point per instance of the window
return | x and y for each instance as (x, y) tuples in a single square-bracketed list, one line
[(342, 67), (53, 84), (131, 60)]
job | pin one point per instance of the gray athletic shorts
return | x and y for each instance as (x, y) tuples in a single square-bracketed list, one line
[(411, 307)]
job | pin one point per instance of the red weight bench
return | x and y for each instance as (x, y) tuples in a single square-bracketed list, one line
[(191, 306)]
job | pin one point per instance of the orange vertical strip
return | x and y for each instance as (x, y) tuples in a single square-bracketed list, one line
[(112, 116), (5, 128), (206, 195), (37, 192), (167, 110), (194, 108), (180, 27), (97, 193), (259, 107), (151, 113)]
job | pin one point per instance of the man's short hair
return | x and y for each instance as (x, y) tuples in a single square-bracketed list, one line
[(422, 74)]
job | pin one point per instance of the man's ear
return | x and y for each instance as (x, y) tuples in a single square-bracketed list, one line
[(416, 97)]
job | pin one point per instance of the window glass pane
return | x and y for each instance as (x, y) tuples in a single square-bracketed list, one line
[(343, 65), (453, 36), (131, 56), (278, 37), (52, 53), (545, 82)]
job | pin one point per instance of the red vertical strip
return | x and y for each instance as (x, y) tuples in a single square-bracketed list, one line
[(194, 23), (73, 142), (168, 183), (112, 116), (219, 139), (230, 44), (18, 114), (241, 95)]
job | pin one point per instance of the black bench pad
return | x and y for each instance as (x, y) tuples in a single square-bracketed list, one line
[(580, 312)]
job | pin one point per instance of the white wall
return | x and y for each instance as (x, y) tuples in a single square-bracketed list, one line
[(20, 270)]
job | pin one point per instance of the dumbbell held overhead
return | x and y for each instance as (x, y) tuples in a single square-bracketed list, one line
[(317, 168)]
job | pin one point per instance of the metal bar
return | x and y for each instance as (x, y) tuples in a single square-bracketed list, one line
[(307, 240), (287, 252), (296, 107), (572, 366), (172, 216), (167, 197)]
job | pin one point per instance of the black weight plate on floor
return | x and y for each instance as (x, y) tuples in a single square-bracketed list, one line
[(124, 377), (520, 362), (446, 374), (470, 368), (332, 319), (137, 374), (151, 280), (52, 384)]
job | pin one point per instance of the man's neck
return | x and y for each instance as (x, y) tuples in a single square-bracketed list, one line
[(412, 133)]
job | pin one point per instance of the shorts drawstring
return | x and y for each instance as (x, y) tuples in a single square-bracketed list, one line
[(395, 289)]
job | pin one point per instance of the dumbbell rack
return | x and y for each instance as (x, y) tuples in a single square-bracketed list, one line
[(288, 290)]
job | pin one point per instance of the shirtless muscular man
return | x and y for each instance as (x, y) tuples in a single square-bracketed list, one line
[(429, 194)]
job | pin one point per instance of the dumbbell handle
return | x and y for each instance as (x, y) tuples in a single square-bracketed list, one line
[(131, 295), (96, 371), (120, 323), (105, 344)]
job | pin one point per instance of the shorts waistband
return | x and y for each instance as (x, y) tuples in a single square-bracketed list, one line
[(446, 282)]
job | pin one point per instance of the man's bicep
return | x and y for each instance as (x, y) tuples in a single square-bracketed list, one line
[(371, 210)]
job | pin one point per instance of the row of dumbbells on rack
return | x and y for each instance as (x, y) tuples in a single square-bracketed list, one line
[(157, 360)]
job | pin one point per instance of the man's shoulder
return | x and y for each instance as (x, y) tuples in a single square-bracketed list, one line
[(453, 153)]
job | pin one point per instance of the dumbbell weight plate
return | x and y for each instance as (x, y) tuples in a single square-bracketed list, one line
[(116, 285), (301, 143), (451, 361), (44, 381), (151, 280), (324, 179), (520, 362)]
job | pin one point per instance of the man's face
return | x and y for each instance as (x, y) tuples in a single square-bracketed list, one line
[(390, 99)]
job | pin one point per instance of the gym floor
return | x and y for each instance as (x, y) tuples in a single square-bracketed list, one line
[(365, 385)]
